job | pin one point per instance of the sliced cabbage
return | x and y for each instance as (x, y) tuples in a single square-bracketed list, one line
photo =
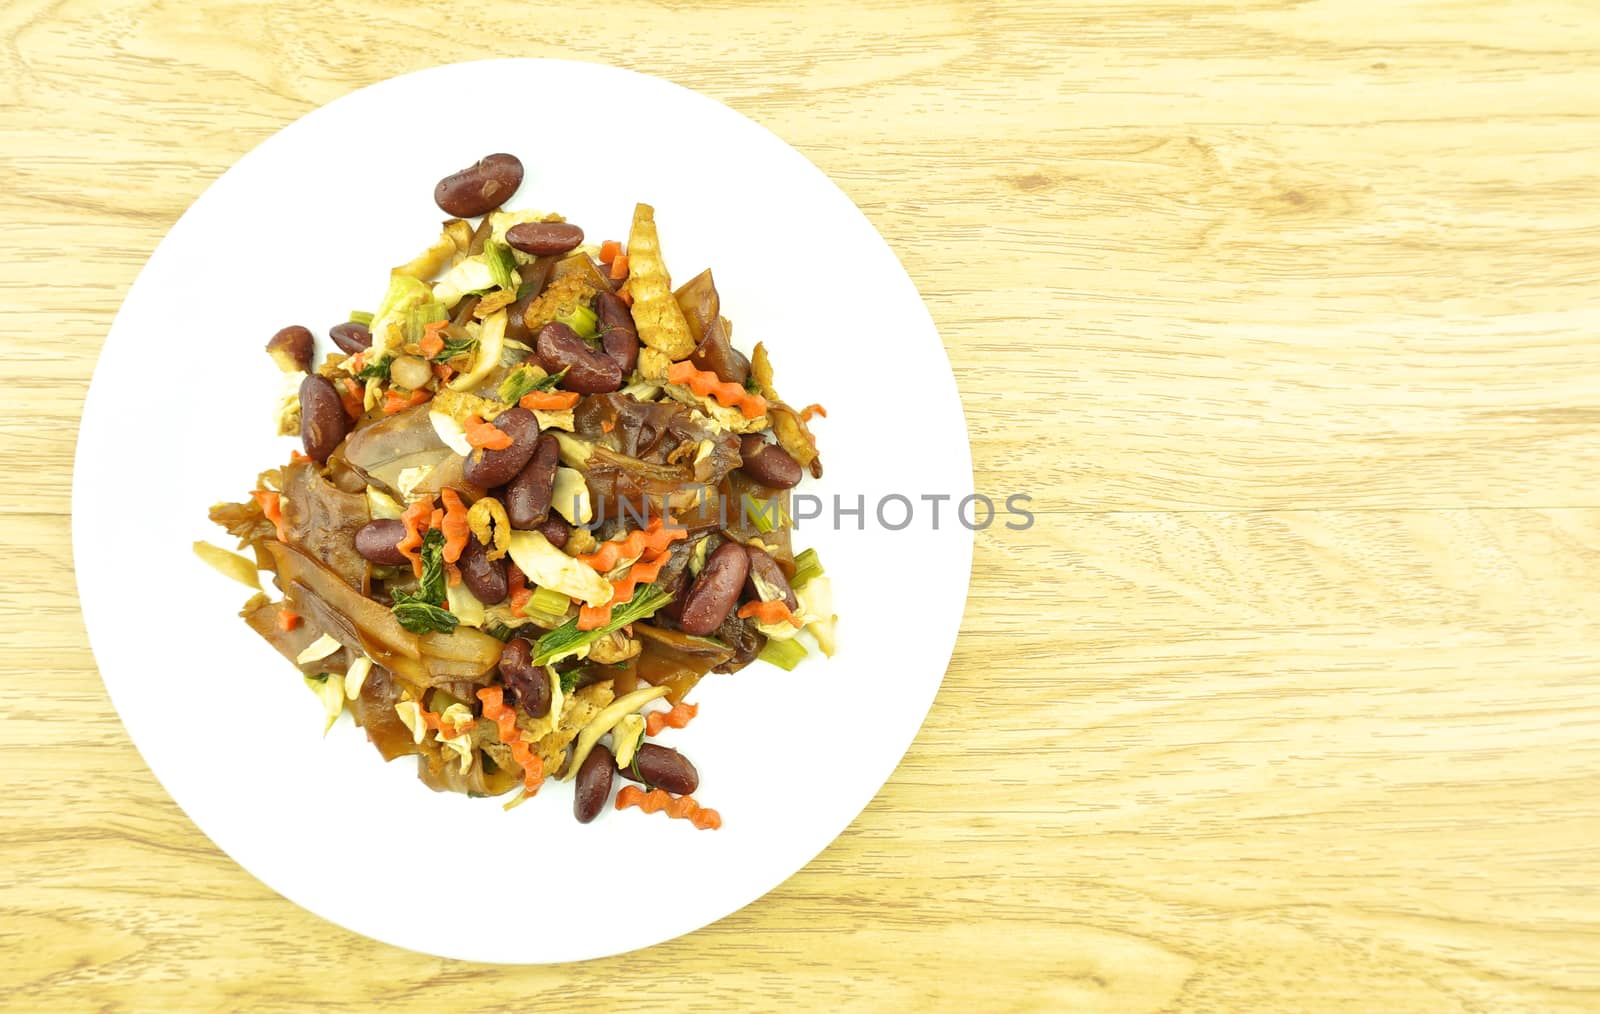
[(815, 613), (409, 479), (569, 496), (388, 323), (723, 418), (465, 605), (626, 736), (472, 275), (229, 564), (451, 432), (382, 506), (548, 567), (457, 715), (558, 420), (321, 648), (356, 676), (330, 692), (410, 713), (490, 341), (286, 415)]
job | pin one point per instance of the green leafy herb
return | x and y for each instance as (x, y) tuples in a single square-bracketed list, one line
[(421, 617), (499, 631), (422, 612), (502, 264), (567, 638), (637, 774), (522, 380), (455, 347), (360, 317), (752, 385), (569, 679), (378, 368)]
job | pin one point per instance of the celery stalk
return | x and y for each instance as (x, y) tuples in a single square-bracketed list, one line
[(783, 654), (547, 601), (806, 567), (360, 317), (581, 319), (420, 316)]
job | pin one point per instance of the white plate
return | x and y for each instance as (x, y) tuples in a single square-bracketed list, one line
[(303, 230)]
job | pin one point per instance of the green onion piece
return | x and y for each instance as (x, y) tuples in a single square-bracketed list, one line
[(806, 567), (502, 265), (783, 654), (547, 601), (581, 319), (567, 638), (764, 514), (420, 316), (522, 380), (360, 317)]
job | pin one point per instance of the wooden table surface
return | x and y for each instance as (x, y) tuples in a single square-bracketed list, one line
[(1286, 314)]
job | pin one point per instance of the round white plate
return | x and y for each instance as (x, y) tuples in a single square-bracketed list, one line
[(304, 229)]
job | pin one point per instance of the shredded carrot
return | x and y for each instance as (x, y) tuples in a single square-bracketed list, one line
[(677, 718), (811, 410), (416, 520), (517, 584), (678, 807), (505, 720), (609, 251), (271, 509), (619, 267), (606, 426), (654, 539), (485, 435), (432, 344), (626, 295), (727, 393), (394, 401), (442, 371), (454, 525), (358, 362), (288, 619), (643, 572), (351, 395), (548, 401), (768, 612), (297, 456)]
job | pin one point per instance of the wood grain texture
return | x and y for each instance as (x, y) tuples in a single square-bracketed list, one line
[(1286, 313)]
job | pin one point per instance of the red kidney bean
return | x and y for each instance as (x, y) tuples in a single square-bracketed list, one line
[(588, 371), (715, 591), (593, 785), (486, 468), (555, 530), (485, 578), (529, 682), (767, 463), (762, 565), (351, 337), (544, 238), (376, 540), (527, 496), (481, 187), (291, 349), (618, 335), (663, 768), (322, 419)]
